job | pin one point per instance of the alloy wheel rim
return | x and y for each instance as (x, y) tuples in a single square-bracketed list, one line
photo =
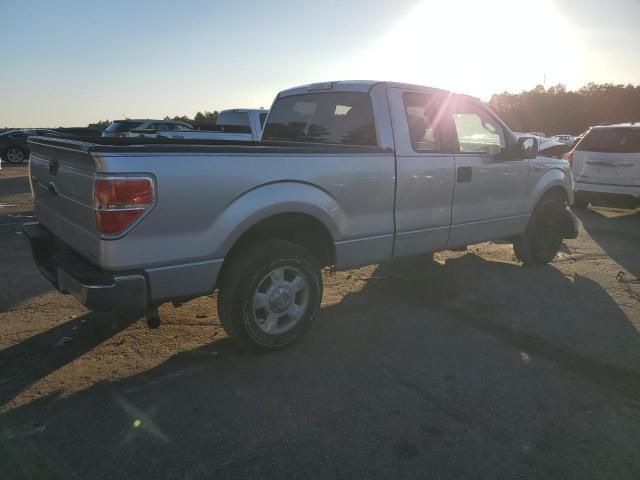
[(280, 301)]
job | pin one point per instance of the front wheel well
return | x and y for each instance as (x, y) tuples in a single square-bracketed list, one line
[(299, 228), (556, 193)]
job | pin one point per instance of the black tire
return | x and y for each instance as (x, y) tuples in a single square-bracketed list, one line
[(15, 155), (542, 239), (242, 282)]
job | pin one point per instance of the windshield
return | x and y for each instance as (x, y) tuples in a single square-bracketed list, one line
[(327, 117)]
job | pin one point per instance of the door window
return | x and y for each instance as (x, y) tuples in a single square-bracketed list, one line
[(477, 130)]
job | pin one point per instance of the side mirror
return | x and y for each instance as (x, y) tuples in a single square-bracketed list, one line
[(528, 147)]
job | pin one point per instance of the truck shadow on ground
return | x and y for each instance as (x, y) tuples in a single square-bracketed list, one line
[(618, 236), (472, 369), (39, 355), (23, 280)]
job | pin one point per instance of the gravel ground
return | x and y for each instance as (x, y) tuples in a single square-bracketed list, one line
[(468, 367)]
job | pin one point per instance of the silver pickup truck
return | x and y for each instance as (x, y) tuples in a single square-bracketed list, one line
[(346, 174)]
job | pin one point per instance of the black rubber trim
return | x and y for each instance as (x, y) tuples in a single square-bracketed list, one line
[(176, 145)]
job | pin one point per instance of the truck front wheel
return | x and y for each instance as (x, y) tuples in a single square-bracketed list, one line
[(269, 295), (542, 238)]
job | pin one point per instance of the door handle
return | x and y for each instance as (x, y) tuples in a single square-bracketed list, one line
[(464, 174)]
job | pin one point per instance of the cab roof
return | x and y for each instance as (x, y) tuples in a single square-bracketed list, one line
[(357, 86)]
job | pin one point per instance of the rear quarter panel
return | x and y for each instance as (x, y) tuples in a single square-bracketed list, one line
[(206, 201)]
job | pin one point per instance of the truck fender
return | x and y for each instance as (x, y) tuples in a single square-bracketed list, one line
[(553, 178), (556, 178), (272, 199)]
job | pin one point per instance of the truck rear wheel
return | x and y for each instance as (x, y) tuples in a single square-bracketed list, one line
[(542, 238), (269, 295)]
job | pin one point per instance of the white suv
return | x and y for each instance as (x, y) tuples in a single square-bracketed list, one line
[(606, 166)]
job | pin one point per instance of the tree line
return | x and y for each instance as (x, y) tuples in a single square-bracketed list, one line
[(555, 110)]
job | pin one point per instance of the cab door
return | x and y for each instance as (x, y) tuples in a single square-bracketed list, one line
[(425, 168), (490, 183)]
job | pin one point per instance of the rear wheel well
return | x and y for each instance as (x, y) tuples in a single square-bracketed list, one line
[(301, 229)]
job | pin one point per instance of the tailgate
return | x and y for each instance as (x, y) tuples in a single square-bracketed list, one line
[(62, 174)]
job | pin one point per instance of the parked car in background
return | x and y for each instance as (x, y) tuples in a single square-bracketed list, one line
[(566, 139), (148, 127), (237, 124), (548, 147), (78, 131), (153, 128), (606, 166), (346, 174), (14, 147), (13, 143), (537, 134), (120, 128)]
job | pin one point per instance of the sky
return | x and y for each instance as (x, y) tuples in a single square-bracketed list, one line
[(72, 62)]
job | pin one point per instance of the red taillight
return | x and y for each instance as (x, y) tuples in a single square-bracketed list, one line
[(122, 192), (569, 156), (120, 201), (114, 222)]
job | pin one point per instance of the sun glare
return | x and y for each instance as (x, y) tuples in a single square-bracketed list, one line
[(476, 47)]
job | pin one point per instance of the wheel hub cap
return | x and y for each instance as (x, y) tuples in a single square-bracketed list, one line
[(280, 299)]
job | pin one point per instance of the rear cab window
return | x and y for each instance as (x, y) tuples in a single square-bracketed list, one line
[(611, 140), (344, 118)]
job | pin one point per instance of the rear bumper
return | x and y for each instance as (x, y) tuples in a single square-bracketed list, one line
[(608, 194), (95, 288)]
